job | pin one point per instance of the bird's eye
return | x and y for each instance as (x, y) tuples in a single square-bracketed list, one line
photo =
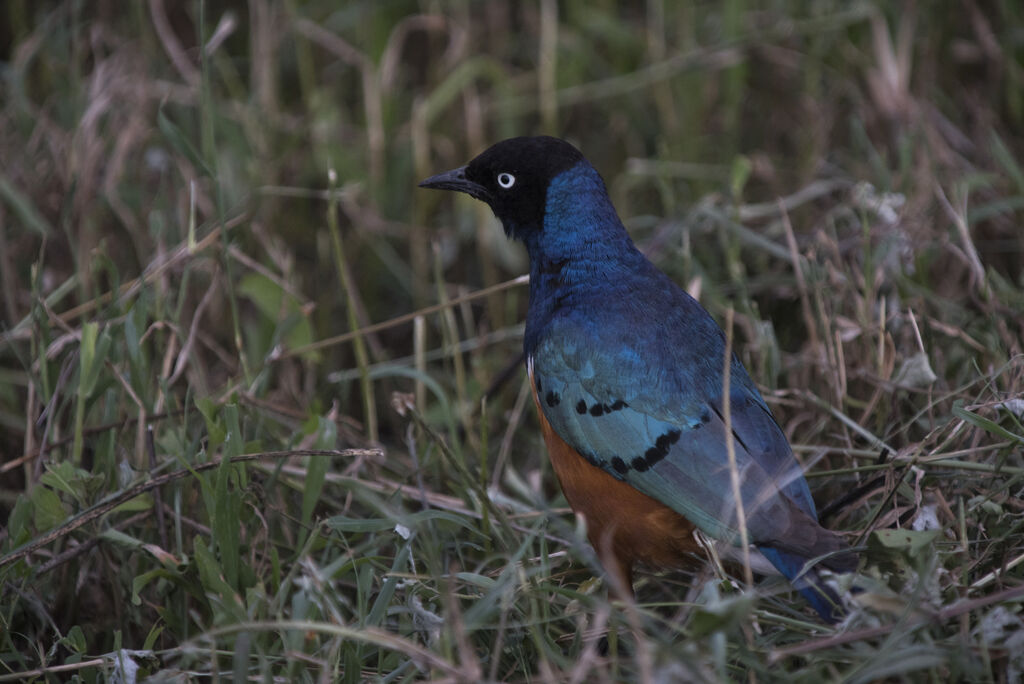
[(506, 180)]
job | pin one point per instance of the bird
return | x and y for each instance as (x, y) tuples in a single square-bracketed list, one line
[(627, 374)]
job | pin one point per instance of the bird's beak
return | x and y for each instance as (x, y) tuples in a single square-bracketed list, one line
[(456, 180)]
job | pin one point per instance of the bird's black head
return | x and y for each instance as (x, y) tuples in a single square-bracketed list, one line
[(512, 176)]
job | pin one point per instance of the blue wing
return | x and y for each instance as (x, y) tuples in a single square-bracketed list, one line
[(648, 410)]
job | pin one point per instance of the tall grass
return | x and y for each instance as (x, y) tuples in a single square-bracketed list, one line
[(262, 413)]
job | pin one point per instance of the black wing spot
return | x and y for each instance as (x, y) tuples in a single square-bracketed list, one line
[(619, 465), (552, 398), (536, 380), (581, 407), (640, 464), (660, 450), (705, 417), (666, 440), (597, 409), (618, 405), (592, 459)]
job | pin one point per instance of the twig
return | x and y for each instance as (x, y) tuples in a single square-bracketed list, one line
[(730, 448), (88, 544), (801, 282), (43, 449), (157, 496), (26, 675), (404, 318), (172, 46)]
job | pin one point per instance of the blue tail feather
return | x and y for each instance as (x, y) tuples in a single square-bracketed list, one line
[(821, 597)]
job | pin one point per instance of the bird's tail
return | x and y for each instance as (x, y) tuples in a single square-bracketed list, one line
[(821, 596)]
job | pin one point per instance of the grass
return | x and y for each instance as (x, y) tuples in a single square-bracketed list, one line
[(261, 405)]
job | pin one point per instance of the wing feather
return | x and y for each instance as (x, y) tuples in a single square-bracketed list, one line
[(641, 423)]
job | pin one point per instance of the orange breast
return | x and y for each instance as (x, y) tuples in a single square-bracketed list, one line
[(623, 524)]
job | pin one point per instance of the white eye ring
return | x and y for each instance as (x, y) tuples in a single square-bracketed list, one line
[(506, 180)]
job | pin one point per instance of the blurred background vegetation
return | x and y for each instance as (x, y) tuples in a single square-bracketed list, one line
[(212, 248)]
